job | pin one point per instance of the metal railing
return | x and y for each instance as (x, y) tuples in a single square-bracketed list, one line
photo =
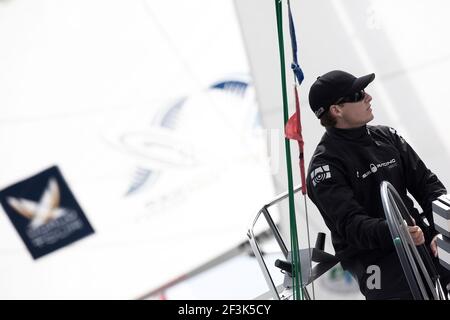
[(308, 274)]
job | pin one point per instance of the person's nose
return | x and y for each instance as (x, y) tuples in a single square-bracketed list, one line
[(368, 97)]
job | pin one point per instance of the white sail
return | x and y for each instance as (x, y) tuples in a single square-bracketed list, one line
[(150, 114)]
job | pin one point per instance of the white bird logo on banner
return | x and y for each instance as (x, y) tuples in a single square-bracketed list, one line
[(41, 212)]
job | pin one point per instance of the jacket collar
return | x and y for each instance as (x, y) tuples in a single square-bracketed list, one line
[(356, 135)]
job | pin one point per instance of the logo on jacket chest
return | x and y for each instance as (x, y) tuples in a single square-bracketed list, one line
[(373, 168)]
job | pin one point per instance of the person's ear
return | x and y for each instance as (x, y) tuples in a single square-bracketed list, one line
[(335, 110)]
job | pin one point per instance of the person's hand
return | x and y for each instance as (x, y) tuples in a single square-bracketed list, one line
[(433, 246), (417, 235)]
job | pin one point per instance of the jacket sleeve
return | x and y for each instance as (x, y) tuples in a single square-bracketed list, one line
[(423, 184), (333, 196)]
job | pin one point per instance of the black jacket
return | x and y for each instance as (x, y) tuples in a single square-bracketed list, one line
[(344, 179)]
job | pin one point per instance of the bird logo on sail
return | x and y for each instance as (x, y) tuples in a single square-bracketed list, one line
[(43, 211)]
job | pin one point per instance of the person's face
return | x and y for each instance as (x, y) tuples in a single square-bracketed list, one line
[(354, 114)]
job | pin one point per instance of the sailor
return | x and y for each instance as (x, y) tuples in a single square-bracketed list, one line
[(344, 177)]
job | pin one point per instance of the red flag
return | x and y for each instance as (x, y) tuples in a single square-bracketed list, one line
[(293, 130)]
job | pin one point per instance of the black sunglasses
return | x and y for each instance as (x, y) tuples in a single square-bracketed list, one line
[(354, 97)]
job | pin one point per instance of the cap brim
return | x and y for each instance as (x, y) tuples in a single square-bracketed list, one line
[(362, 82)]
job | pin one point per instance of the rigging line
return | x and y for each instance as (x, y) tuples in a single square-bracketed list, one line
[(298, 79), (170, 42), (295, 261), (301, 164), (235, 131), (309, 246), (306, 209)]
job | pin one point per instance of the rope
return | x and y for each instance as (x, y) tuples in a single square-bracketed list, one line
[(296, 267), (296, 129), (299, 76)]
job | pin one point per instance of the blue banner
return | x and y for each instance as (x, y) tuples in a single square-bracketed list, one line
[(44, 212)]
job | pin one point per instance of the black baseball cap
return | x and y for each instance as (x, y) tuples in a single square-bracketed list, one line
[(332, 86)]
